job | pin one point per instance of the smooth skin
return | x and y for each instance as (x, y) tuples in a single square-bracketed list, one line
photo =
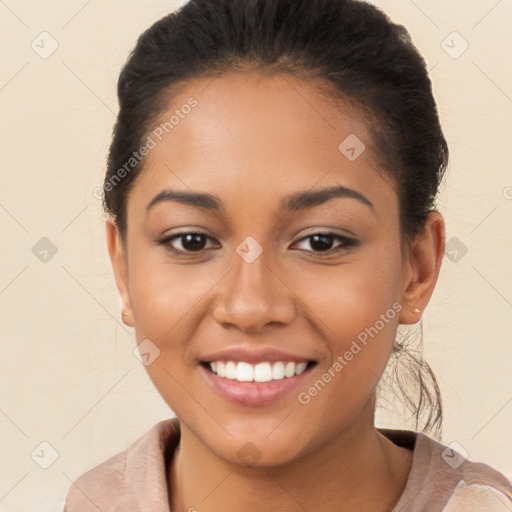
[(251, 141)]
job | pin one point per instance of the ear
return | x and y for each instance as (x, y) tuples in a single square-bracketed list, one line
[(120, 267), (425, 256)]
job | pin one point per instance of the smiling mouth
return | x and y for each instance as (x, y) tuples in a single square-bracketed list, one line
[(262, 372)]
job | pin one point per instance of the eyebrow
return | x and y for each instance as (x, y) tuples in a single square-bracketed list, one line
[(294, 202), (308, 199)]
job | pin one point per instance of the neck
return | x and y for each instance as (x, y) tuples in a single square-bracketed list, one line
[(358, 468)]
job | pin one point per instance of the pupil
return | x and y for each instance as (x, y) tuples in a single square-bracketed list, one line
[(193, 242), (321, 242)]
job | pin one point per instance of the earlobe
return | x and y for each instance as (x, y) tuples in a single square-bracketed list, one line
[(120, 268), (425, 258)]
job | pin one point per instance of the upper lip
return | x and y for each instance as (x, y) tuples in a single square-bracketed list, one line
[(253, 355)]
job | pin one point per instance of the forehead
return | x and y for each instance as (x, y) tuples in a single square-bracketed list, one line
[(260, 134)]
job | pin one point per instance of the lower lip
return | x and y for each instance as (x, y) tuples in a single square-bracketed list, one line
[(254, 393)]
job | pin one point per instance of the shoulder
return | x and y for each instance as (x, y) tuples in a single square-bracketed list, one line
[(443, 479), (120, 481), (453, 463), (94, 490), (475, 486), (478, 497)]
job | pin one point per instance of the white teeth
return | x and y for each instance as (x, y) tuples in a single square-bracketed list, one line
[(230, 370), (300, 368), (278, 371), (244, 372), (261, 372), (289, 370), (221, 369)]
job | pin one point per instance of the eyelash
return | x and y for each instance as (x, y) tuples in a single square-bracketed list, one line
[(346, 242)]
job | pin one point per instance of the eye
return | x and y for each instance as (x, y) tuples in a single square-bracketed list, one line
[(188, 242), (195, 242), (323, 242)]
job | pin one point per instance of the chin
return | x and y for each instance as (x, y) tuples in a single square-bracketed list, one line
[(258, 453), (260, 443)]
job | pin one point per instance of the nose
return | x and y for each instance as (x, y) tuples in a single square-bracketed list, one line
[(253, 295)]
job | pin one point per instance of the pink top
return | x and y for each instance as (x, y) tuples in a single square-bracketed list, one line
[(440, 480)]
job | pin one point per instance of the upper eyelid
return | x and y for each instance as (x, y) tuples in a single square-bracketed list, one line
[(328, 231), (175, 236), (335, 235), (307, 235), (349, 241)]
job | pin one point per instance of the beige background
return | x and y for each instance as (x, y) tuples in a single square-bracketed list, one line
[(69, 376)]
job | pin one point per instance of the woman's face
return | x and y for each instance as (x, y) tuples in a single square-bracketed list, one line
[(254, 285)]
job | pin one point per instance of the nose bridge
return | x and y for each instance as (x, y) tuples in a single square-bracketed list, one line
[(251, 296)]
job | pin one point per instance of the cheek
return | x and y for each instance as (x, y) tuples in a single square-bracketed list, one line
[(356, 306), (352, 296), (359, 338), (170, 303), (163, 295), (165, 301)]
